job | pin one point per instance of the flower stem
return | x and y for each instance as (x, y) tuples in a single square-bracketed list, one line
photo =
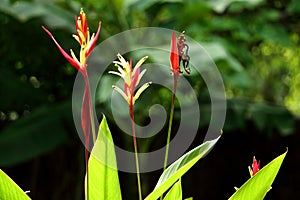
[(92, 124), (85, 74), (135, 150), (87, 173), (176, 75)]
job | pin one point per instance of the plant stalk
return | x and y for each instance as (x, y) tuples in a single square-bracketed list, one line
[(135, 150), (90, 106), (87, 173), (86, 138), (176, 76), (92, 123)]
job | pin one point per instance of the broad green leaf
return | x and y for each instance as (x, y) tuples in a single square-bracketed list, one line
[(190, 198), (30, 136), (275, 33), (52, 14), (294, 6), (175, 192), (221, 5), (143, 5), (176, 170), (102, 170), (240, 79), (266, 117), (258, 185), (9, 189), (218, 52)]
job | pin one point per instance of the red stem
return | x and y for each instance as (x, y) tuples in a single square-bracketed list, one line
[(90, 124), (176, 76), (135, 147)]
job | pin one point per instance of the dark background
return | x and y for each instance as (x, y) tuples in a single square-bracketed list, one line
[(256, 49)]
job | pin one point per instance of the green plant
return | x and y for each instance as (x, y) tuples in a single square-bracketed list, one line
[(101, 179)]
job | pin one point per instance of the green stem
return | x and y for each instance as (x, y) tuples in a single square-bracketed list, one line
[(87, 173), (135, 150), (92, 123), (176, 76)]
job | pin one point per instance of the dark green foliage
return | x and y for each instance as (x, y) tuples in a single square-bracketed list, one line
[(255, 45), (246, 40)]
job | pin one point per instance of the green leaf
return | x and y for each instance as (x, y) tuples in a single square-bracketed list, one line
[(9, 189), (218, 52), (179, 168), (103, 176), (294, 6), (258, 185), (266, 117), (239, 79), (220, 5), (30, 136), (175, 192), (275, 33), (190, 198), (143, 5), (52, 14)]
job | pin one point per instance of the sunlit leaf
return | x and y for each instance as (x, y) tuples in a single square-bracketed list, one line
[(175, 192), (103, 180), (221, 5), (9, 189), (258, 185), (179, 168)]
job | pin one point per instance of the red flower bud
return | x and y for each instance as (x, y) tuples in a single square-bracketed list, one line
[(174, 56), (255, 167)]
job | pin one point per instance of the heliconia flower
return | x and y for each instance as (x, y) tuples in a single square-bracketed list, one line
[(86, 42), (255, 167), (174, 56), (131, 79)]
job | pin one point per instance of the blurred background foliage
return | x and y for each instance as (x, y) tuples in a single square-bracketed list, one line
[(254, 43)]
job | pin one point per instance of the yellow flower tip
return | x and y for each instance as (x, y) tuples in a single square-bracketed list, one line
[(76, 38), (140, 90), (73, 56), (250, 171), (139, 63), (81, 11), (120, 57), (116, 88)]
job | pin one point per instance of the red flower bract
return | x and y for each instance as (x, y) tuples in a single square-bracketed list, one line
[(86, 42), (174, 56), (71, 60), (255, 166), (81, 27), (131, 77)]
